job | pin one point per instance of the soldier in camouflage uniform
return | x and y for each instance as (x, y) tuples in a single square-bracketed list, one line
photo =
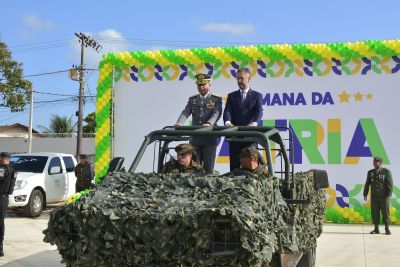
[(184, 162), (249, 158), (84, 174), (380, 180), (206, 109)]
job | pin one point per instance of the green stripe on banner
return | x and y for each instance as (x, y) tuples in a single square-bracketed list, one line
[(356, 190)]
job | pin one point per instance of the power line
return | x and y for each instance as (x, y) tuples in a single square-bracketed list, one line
[(55, 94), (41, 43), (45, 73), (38, 48)]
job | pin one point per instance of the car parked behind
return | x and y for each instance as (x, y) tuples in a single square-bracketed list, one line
[(42, 178)]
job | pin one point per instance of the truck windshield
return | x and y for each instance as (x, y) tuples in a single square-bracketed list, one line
[(33, 164)]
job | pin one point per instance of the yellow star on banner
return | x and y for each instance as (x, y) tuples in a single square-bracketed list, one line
[(370, 96), (358, 96), (344, 97)]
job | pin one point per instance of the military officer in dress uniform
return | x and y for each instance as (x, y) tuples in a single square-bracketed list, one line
[(381, 183), (206, 109), (184, 162)]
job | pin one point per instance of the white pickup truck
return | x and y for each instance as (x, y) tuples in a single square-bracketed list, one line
[(42, 178)]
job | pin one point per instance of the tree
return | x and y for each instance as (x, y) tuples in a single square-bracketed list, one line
[(59, 124), (14, 89), (90, 119)]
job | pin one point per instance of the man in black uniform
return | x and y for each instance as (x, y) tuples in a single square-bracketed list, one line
[(7, 182), (380, 180)]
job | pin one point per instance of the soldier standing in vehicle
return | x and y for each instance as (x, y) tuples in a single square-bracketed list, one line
[(206, 109), (381, 183), (84, 174), (7, 182), (184, 162)]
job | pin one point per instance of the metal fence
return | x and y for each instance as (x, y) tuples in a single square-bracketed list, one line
[(47, 135)]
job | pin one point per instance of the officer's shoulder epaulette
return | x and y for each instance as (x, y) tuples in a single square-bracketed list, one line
[(193, 96), (216, 95)]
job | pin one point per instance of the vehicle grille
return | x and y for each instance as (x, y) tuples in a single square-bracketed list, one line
[(225, 239)]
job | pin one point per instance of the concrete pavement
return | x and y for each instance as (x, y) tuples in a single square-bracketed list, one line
[(339, 245), (353, 246)]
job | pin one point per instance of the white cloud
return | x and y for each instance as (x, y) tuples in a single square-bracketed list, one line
[(111, 41), (234, 29), (34, 22)]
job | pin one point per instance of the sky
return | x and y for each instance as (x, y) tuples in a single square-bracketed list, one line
[(40, 35)]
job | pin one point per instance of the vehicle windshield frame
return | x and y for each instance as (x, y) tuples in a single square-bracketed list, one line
[(39, 167), (259, 135)]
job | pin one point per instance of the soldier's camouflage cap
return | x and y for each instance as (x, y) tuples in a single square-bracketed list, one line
[(379, 159), (5, 155), (184, 149), (202, 78), (247, 152)]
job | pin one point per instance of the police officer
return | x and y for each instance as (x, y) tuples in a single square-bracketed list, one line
[(381, 183), (206, 109), (84, 174), (7, 182), (184, 162)]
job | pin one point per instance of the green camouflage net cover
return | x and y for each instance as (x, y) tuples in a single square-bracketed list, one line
[(158, 220)]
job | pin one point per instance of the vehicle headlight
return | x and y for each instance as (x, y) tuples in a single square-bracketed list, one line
[(19, 184)]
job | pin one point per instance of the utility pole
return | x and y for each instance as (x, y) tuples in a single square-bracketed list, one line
[(30, 121), (85, 42)]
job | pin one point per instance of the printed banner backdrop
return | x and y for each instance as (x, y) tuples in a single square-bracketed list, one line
[(339, 99)]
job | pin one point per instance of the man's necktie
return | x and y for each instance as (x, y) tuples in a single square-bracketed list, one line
[(243, 97)]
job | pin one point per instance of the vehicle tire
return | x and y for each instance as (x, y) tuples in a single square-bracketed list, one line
[(308, 258), (35, 205)]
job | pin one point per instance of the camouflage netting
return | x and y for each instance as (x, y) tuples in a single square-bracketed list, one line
[(158, 220)]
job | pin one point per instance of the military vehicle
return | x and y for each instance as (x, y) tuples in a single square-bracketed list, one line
[(241, 219)]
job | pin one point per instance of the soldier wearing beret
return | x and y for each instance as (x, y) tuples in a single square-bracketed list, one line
[(206, 109), (7, 182), (184, 162), (381, 183)]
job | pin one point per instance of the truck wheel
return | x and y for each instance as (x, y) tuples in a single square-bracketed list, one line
[(308, 258), (35, 205)]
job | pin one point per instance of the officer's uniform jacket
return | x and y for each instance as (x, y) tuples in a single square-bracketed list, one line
[(381, 183), (174, 167), (202, 111), (7, 180)]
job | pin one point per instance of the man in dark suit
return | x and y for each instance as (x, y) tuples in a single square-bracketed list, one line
[(243, 108), (206, 109)]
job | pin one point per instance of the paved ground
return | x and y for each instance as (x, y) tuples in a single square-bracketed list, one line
[(339, 245)]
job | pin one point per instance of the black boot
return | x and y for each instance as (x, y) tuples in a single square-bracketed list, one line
[(375, 231), (1, 250), (387, 229)]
